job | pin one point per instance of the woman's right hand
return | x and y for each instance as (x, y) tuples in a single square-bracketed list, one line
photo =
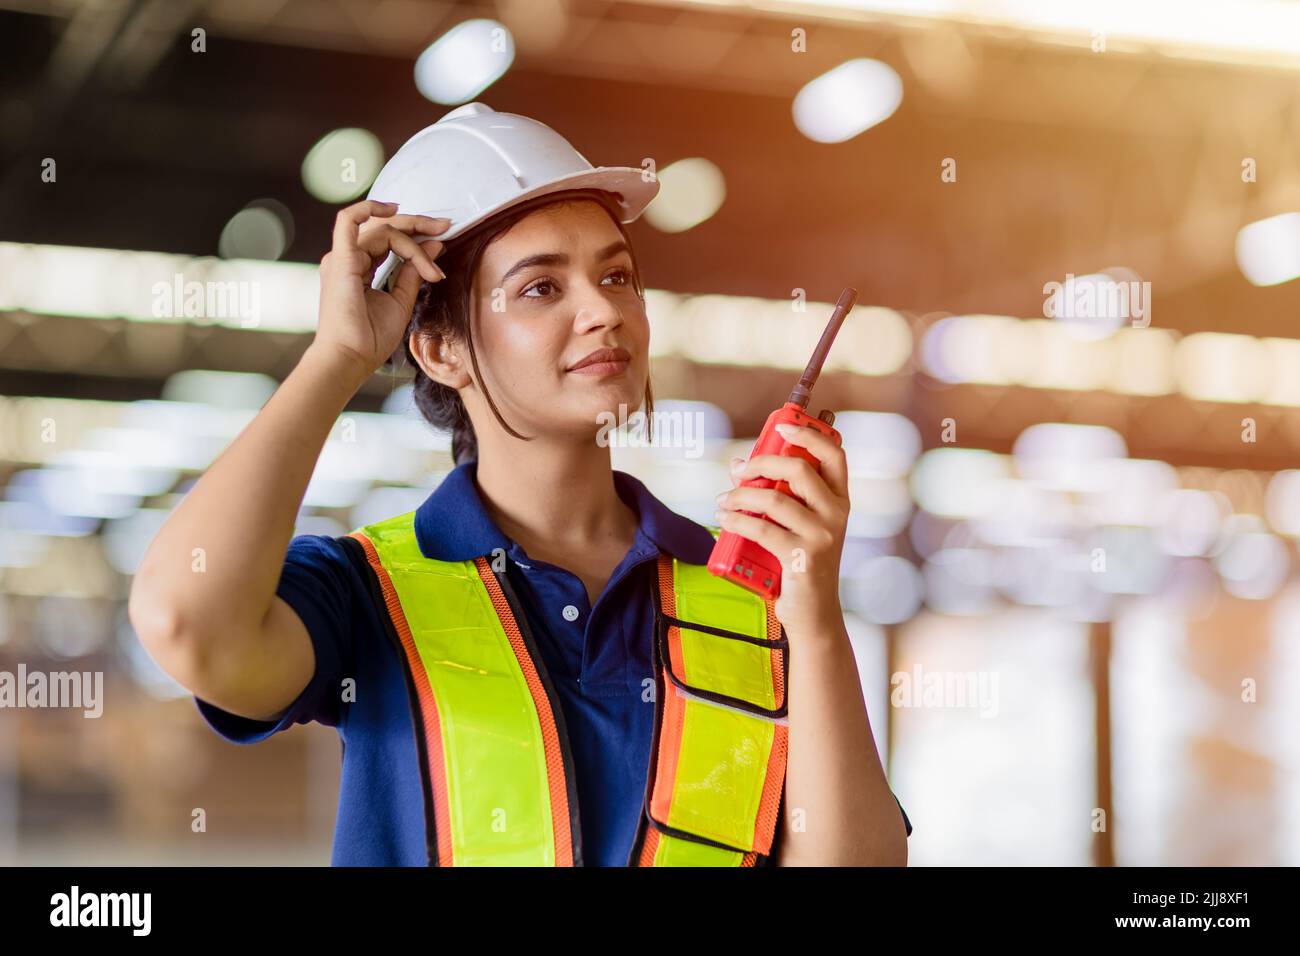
[(362, 325)]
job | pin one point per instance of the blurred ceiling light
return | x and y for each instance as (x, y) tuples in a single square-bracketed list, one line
[(1284, 380), (736, 330), (1056, 358), (740, 330), (334, 493), (1222, 367), (156, 287), (851, 98), (1092, 307), (1285, 628), (667, 335), (243, 390), (18, 548), (401, 401), (258, 231), (1268, 251), (1046, 574), (93, 578), (1093, 605), (956, 534), (1246, 490), (983, 349), (375, 448), (958, 581), (718, 323), (1192, 587), (1127, 490), (25, 510), (958, 482), (384, 502), (417, 434), (464, 61), (1190, 520), (878, 444), (1282, 502), (342, 164), (110, 471), (680, 421), (880, 507), (885, 589), (25, 423), (1130, 562), (872, 340), (1254, 564), (686, 488), (84, 493), (690, 191), (1041, 353), (1067, 457), (1141, 362), (190, 435), (1026, 515), (1236, 31), (929, 533), (146, 449), (127, 538), (70, 626)]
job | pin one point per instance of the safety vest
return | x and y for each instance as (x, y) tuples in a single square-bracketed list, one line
[(494, 754)]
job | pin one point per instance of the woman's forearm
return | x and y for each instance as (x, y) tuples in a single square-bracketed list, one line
[(839, 809), (215, 563)]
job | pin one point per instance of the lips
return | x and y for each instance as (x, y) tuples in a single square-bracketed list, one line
[(602, 362)]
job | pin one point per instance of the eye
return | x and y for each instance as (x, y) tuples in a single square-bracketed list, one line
[(540, 283), (624, 275)]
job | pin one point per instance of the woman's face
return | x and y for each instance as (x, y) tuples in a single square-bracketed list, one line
[(554, 288)]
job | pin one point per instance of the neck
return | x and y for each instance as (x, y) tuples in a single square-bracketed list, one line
[(553, 494)]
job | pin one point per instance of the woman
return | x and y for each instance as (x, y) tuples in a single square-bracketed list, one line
[(530, 327)]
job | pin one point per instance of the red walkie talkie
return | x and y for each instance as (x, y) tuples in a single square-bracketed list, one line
[(738, 559)]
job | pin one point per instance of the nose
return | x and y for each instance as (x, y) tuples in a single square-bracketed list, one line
[(596, 311)]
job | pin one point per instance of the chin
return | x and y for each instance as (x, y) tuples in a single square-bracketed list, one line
[(609, 402)]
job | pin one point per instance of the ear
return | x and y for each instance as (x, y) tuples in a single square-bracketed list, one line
[(441, 358)]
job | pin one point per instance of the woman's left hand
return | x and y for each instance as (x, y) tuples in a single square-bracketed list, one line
[(808, 536)]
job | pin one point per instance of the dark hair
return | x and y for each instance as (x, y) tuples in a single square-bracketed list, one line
[(445, 308)]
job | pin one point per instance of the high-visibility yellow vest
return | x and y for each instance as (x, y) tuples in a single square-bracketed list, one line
[(494, 753)]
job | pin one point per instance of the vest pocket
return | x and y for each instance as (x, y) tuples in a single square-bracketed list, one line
[(724, 667)]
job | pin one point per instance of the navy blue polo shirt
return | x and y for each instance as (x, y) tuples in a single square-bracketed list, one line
[(598, 659)]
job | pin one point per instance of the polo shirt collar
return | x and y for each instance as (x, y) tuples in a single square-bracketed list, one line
[(453, 525)]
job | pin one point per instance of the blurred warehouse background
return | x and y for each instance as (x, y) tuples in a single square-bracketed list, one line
[(1072, 575)]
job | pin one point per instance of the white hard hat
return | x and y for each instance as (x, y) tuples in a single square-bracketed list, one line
[(476, 162)]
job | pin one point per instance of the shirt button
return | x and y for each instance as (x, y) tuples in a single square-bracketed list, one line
[(570, 612)]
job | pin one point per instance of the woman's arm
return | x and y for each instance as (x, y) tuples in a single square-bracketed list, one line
[(203, 599), (839, 809)]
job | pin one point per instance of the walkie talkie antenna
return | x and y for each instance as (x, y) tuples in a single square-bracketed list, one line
[(803, 391)]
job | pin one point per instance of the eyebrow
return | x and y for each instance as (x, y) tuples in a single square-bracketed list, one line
[(562, 259)]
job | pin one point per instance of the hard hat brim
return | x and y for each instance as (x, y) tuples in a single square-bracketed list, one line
[(630, 190)]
